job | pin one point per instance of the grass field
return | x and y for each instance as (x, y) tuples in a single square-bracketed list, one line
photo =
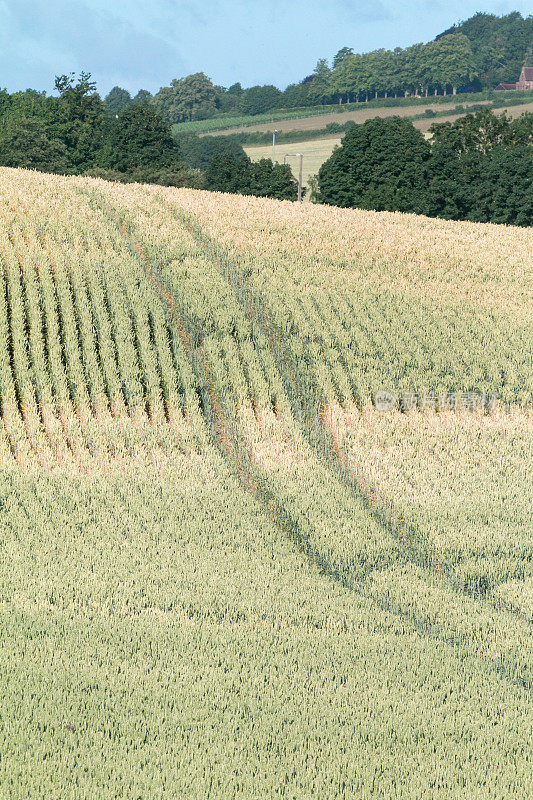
[(227, 571), (318, 150)]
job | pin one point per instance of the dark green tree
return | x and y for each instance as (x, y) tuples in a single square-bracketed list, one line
[(504, 191), (5, 103), (26, 144), (116, 101), (142, 95), (451, 180), (139, 144), (296, 95), (226, 173), (235, 89), (259, 99), (275, 181), (380, 165), (77, 120), (481, 169)]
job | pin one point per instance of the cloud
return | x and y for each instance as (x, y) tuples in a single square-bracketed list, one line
[(367, 11), (146, 43), (64, 36)]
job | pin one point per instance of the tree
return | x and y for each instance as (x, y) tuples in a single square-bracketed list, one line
[(273, 180), (498, 44), (226, 173), (197, 151), (504, 192), (480, 131), (235, 89), (481, 169), (348, 77), (450, 182), (77, 119), (521, 129), (188, 98), (296, 95), (259, 99), (380, 165), (26, 144), (116, 101), (320, 88), (140, 144), (142, 95), (339, 57), (453, 61)]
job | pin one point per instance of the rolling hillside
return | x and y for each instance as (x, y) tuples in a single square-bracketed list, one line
[(319, 149), (265, 503)]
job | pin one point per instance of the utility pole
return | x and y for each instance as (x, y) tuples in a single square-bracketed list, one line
[(274, 146), (300, 173)]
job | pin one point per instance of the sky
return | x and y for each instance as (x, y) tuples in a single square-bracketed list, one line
[(145, 43)]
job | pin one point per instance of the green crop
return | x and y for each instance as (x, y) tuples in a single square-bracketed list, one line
[(225, 573)]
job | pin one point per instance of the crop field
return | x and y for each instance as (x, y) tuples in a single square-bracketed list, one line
[(318, 150), (265, 502), (319, 116), (358, 115)]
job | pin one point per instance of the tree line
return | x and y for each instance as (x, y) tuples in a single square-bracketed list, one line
[(438, 67), (479, 168), (477, 54), (77, 133)]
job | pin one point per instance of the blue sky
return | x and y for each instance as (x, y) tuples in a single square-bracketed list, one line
[(145, 43)]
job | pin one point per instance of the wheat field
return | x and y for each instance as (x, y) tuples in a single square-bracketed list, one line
[(229, 570)]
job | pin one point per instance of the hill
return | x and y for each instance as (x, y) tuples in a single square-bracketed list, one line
[(264, 492), (499, 44), (318, 149), (474, 55), (320, 116)]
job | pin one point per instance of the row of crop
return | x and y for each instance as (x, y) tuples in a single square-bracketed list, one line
[(431, 305), (84, 346)]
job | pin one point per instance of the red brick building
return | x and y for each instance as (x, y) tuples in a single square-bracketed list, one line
[(524, 82), (526, 79)]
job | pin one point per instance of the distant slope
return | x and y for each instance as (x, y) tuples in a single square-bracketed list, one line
[(358, 115), (231, 121), (499, 44), (318, 150)]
